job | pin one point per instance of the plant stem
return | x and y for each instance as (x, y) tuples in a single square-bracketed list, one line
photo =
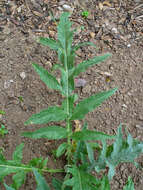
[(68, 106), (69, 141)]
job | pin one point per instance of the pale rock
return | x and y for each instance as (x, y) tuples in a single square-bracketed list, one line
[(68, 8), (92, 34), (129, 45), (80, 82), (141, 117), (8, 83), (60, 8), (23, 75), (124, 106), (139, 126), (115, 30)]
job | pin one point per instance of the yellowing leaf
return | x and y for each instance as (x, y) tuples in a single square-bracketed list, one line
[(107, 3), (100, 6), (77, 125)]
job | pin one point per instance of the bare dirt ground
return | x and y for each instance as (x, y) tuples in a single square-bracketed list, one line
[(114, 26)]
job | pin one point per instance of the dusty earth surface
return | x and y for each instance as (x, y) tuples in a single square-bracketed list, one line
[(114, 26)]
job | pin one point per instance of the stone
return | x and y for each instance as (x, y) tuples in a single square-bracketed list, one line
[(80, 83), (7, 83), (68, 8), (23, 75)]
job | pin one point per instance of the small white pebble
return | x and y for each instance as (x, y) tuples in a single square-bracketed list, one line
[(60, 8), (80, 82), (7, 83), (23, 75), (124, 106), (68, 8), (115, 30)]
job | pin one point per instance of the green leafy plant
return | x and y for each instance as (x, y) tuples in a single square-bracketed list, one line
[(2, 112), (3, 130), (85, 14), (79, 144), (20, 99)]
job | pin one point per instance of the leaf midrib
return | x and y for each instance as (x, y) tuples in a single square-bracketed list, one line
[(30, 168)]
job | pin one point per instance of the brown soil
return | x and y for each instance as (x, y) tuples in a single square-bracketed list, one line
[(112, 30)]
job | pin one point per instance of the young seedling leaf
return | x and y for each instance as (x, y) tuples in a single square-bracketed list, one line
[(81, 67), (51, 114), (53, 44), (52, 132), (90, 135), (41, 182), (47, 78), (17, 154), (3, 130), (89, 104), (8, 187), (61, 149), (129, 185)]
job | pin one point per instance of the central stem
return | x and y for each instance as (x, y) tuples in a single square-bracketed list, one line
[(67, 107), (69, 141)]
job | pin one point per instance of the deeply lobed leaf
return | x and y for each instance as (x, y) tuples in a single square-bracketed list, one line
[(81, 180), (123, 150)]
